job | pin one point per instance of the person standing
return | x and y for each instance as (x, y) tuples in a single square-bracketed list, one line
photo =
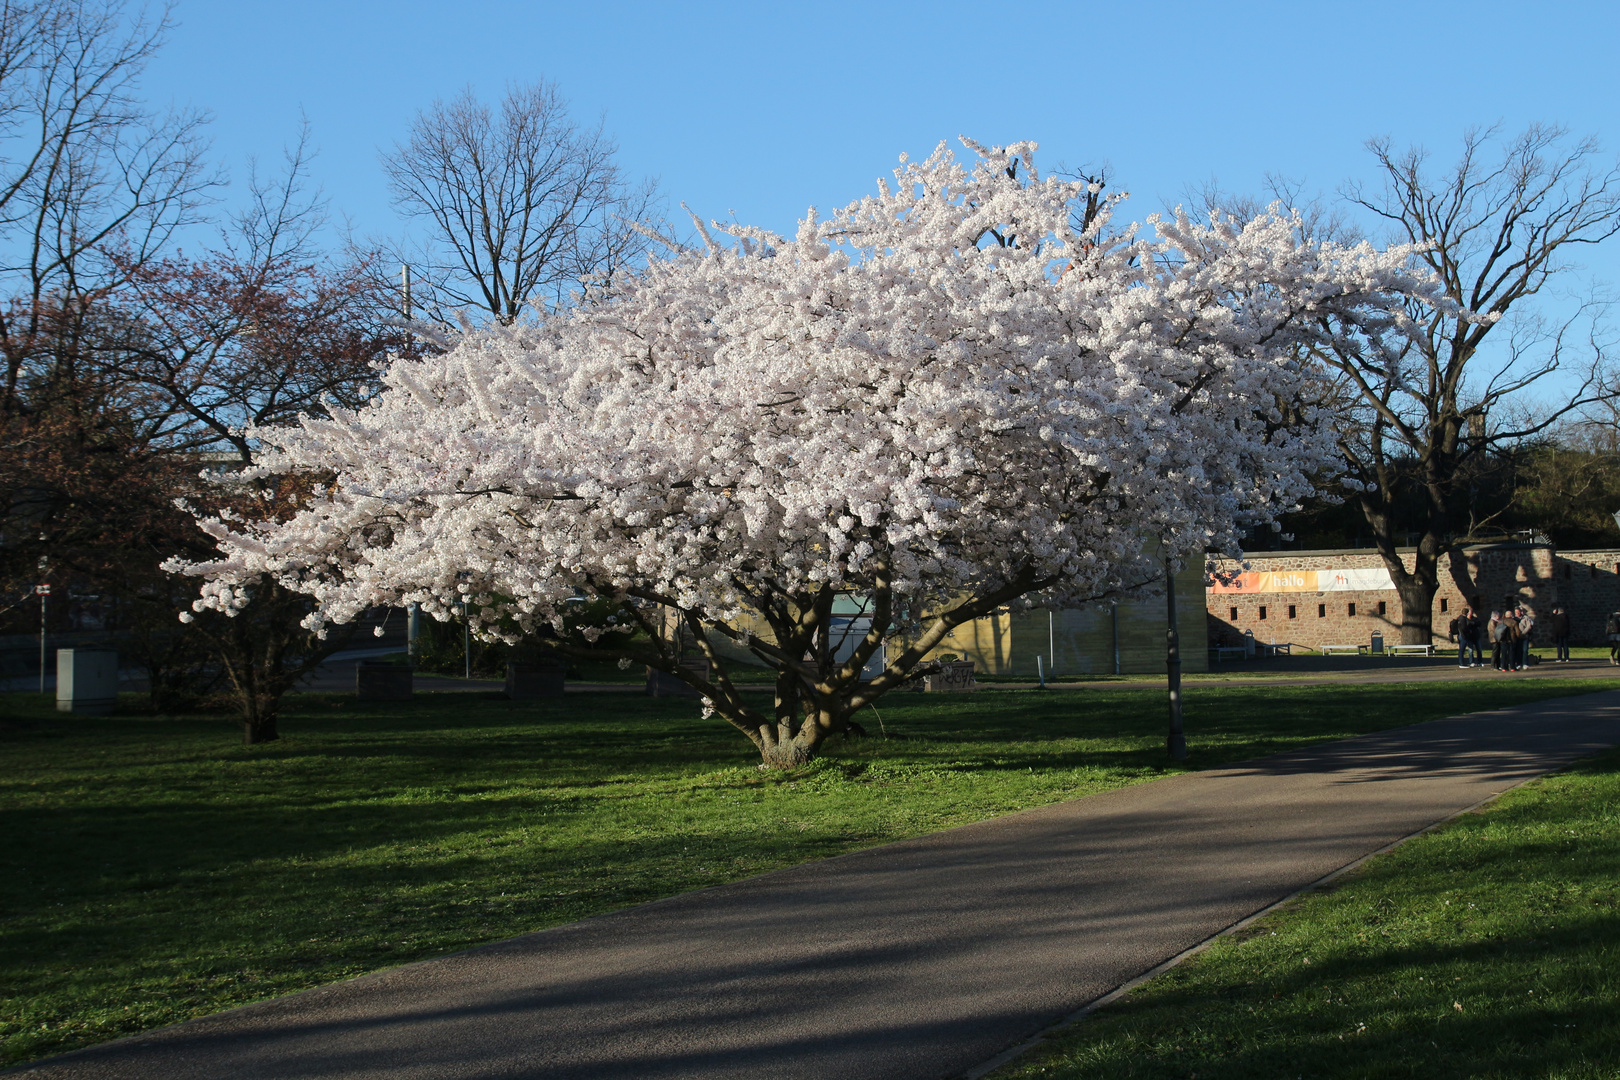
[(1527, 625), (1500, 642), (1469, 631), (1558, 630), (1612, 632)]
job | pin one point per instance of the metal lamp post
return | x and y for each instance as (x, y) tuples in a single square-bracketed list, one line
[(1176, 742), (43, 590)]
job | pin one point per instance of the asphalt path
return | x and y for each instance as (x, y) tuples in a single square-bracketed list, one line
[(917, 959), (1316, 671), (337, 675)]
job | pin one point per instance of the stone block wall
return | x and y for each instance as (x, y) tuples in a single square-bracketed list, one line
[(1588, 585), (1488, 576)]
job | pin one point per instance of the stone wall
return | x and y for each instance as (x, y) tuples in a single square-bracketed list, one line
[(1588, 584), (1488, 576)]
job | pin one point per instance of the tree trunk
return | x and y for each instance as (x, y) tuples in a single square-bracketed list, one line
[(1416, 587), (786, 755), (782, 748), (1417, 610), (260, 729)]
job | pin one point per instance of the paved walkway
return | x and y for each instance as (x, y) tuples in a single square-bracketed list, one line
[(1313, 671), (914, 960), (337, 675)]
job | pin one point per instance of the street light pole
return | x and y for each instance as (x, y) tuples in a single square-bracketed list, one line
[(1051, 642), (413, 621), (1113, 618), (44, 590), (466, 641), (1176, 742)]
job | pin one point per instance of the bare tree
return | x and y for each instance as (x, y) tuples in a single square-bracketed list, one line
[(1319, 220), (82, 161), (1422, 406), (261, 330), (520, 203)]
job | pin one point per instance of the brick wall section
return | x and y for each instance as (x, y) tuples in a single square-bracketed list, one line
[(1589, 588), (1587, 583)]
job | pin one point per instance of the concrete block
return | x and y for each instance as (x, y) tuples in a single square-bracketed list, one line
[(86, 681), (955, 677)]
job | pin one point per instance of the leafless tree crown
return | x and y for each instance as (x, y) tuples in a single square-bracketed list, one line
[(85, 167), (1495, 229), (520, 202), (1422, 406)]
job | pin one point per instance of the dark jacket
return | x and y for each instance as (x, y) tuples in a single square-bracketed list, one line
[(1558, 625)]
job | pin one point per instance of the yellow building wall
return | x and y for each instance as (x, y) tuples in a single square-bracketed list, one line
[(1082, 640)]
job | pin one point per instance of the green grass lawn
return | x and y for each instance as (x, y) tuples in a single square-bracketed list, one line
[(153, 869), (1487, 949)]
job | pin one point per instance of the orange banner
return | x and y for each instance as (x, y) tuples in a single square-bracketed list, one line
[(1294, 581)]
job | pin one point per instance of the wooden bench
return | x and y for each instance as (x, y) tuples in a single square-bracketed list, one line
[(1425, 650), (1228, 652), (1343, 650)]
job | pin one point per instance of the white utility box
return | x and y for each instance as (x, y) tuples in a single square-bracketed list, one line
[(86, 680)]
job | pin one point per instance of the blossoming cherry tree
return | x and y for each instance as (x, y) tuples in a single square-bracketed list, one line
[(944, 399)]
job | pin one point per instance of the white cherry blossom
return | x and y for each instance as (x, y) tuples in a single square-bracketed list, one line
[(941, 399)]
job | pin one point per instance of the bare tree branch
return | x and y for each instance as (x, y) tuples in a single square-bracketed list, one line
[(519, 203), (1420, 405)]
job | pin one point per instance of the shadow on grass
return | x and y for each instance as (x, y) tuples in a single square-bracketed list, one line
[(155, 859), (1486, 950), (1565, 1026)]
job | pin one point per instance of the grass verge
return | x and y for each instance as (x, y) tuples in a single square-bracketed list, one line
[(153, 869), (1487, 949)]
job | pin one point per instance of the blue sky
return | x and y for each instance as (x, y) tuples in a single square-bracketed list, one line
[(766, 109)]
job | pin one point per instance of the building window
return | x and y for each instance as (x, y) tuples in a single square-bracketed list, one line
[(1352, 610), (1234, 614), (1567, 571), (1262, 611), (1383, 608), (1444, 605), (1292, 613), (1321, 611)]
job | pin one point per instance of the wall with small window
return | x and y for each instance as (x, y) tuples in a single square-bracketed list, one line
[(1486, 577)]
